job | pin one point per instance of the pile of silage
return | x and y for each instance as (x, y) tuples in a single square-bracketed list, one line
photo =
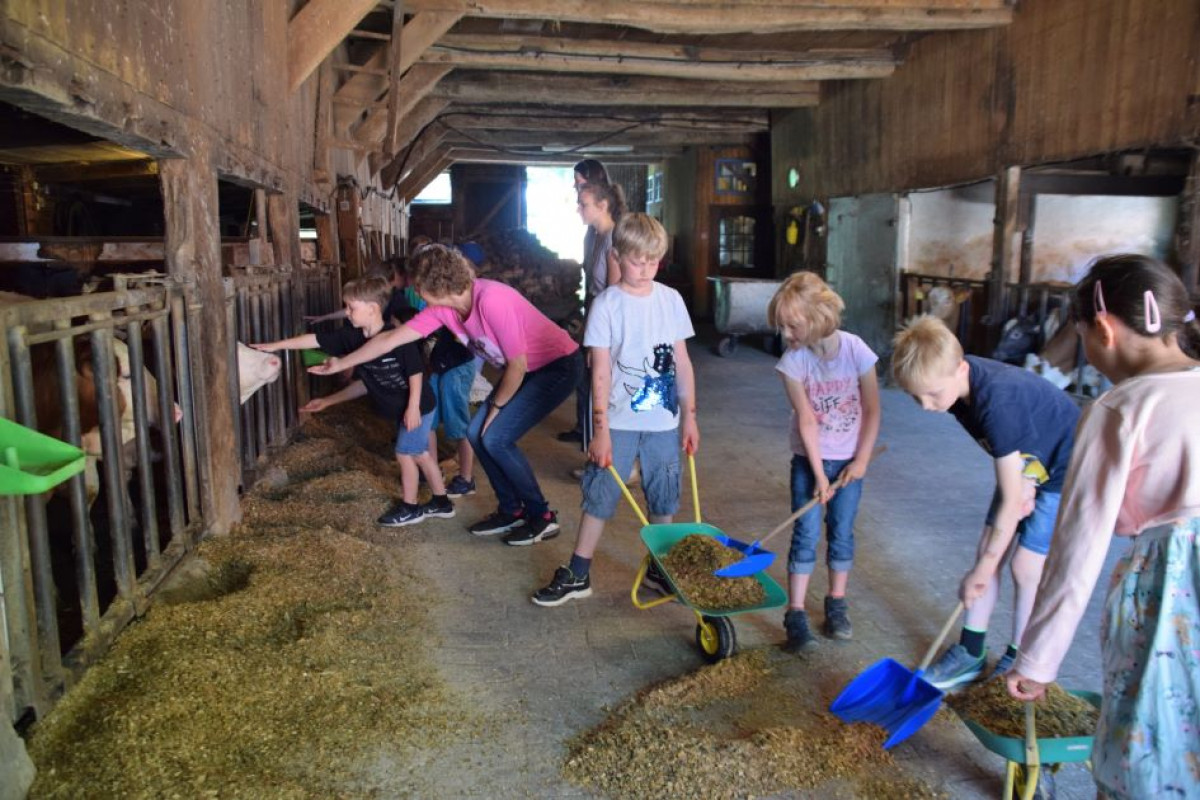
[(749, 726), (1059, 714), (292, 668), (691, 563)]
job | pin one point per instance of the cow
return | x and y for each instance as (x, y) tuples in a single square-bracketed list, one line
[(255, 370), (1058, 362)]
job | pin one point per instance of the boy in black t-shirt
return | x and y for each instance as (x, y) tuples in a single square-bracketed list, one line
[(397, 387), (1028, 426)]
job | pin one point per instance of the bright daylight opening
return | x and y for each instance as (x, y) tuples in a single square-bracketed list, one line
[(551, 213)]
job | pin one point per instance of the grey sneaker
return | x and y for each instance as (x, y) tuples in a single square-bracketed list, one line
[(837, 619), (954, 668), (1003, 665), (799, 635)]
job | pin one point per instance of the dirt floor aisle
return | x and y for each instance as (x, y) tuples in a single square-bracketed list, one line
[(545, 675)]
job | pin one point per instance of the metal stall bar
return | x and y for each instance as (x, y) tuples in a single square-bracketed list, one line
[(141, 429), (190, 364), (184, 389), (166, 412), (45, 649), (235, 375)]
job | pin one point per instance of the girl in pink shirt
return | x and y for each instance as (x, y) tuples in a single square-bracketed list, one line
[(540, 364), (1135, 473)]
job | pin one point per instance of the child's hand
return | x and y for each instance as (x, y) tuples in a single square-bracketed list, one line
[(690, 434), (823, 492), (1024, 688), (1028, 497), (329, 367), (315, 405), (600, 449), (854, 471), (412, 419), (974, 584)]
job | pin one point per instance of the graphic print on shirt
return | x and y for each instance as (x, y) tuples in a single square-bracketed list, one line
[(657, 387), (488, 350), (835, 403)]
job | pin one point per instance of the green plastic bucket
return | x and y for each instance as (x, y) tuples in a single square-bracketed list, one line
[(1050, 751), (313, 357), (31, 462), (659, 539)]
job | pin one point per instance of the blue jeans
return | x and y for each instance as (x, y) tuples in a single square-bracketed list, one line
[(1035, 531), (507, 469), (659, 454), (839, 519), (452, 389)]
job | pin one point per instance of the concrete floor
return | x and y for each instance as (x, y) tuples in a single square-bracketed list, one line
[(546, 674)]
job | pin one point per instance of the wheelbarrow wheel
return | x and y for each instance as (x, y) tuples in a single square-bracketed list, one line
[(1045, 789), (727, 346), (715, 638)]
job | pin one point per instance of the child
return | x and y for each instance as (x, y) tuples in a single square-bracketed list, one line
[(1028, 426), (541, 365), (643, 393), (1135, 475), (829, 377), (396, 386)]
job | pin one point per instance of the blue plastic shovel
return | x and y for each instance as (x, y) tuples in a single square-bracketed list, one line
[(892, 696)]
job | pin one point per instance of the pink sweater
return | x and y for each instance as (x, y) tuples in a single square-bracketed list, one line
[(1136, 465)]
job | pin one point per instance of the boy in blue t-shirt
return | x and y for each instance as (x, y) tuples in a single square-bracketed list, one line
[(396, 384), (1028, 426)]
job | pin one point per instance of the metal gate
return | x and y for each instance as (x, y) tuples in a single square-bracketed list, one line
[(74, 572)]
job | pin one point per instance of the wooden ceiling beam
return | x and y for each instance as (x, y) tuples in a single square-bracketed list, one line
[(580, 90), (360, 87), (745, 16), (639, 156), (525, 139), (423, 173), (589, 121), (620, 57), (422, 114), (316, 30), (405, 163), (416, 84)]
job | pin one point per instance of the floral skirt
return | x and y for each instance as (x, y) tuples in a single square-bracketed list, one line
[(1148, 738)]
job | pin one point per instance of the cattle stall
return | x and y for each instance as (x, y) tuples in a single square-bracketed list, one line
[(111, 373)]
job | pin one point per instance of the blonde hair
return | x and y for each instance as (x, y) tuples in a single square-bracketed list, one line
[(373, 289), (440, 271), (640, 235), (924, 349), (805, 296)]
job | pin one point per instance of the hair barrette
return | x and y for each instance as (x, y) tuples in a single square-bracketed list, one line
[(1152, 314), (1190, 316), (1098, 300)]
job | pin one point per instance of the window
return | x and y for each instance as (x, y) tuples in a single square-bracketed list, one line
[(437, 192), (735, 243)]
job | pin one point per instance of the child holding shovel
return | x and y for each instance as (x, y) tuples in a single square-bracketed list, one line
[(1138, 455), (829, 376), (1028, 427)]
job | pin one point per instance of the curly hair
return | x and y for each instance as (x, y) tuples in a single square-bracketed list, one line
[(440, 271)]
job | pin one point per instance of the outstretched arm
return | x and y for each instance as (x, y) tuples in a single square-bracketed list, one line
[(305, 341), (350, 392), (375, 347)]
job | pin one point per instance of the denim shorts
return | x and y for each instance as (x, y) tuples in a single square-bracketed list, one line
[(1033, 532), (452, 389), (659, 454), (839, 519), (416, 441)]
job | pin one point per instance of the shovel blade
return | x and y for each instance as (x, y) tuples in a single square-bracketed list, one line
[(889, 695), (755, 561)]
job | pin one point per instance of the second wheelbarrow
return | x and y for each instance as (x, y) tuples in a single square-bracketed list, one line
[(715, 635)]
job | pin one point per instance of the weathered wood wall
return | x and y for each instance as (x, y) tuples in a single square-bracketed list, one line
[(1069, 78)]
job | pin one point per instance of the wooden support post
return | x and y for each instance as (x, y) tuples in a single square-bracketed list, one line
[(1025, 222), (1187, 229), (259, 245), (347, 226), (316, 30), (327, 240), (1004, 248), (395, 57), (192, 250)]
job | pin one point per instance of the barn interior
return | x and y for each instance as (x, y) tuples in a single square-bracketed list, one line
[(179, 179)]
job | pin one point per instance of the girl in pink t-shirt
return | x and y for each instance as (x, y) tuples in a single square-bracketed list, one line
[(829, 376), (1133, 474), (540, 364)]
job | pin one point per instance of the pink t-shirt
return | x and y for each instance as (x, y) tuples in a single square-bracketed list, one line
[(1136, 465), (834, 393), (502, 325)]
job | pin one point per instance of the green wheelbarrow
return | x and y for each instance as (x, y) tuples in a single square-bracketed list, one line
[(715, 635), (1033, 761)]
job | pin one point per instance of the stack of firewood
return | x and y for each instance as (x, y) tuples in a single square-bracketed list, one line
[(517, 258)]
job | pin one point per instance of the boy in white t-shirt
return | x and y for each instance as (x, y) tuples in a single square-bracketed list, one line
[(643, 393)]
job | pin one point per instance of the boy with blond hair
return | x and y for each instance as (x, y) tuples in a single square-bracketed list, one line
[(1028, 427), (643, 397), (396, 384)]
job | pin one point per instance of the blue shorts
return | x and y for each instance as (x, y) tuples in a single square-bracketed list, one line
[(452, 389), (659, 454), (1033, 532), (416, 441)]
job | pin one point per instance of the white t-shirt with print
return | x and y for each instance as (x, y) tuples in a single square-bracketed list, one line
[(640, 335), (833, 392)]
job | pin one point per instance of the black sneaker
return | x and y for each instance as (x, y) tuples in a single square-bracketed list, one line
[(400, 515), (443, 508), (570, 437), (799, 636), (656, 581), (537, 529), (564, 587), (837, 619), (460, 487), (497, 522)]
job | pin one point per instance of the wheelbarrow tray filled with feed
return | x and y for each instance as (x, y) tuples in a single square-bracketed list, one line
[(1062, 750), (715, 634)]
